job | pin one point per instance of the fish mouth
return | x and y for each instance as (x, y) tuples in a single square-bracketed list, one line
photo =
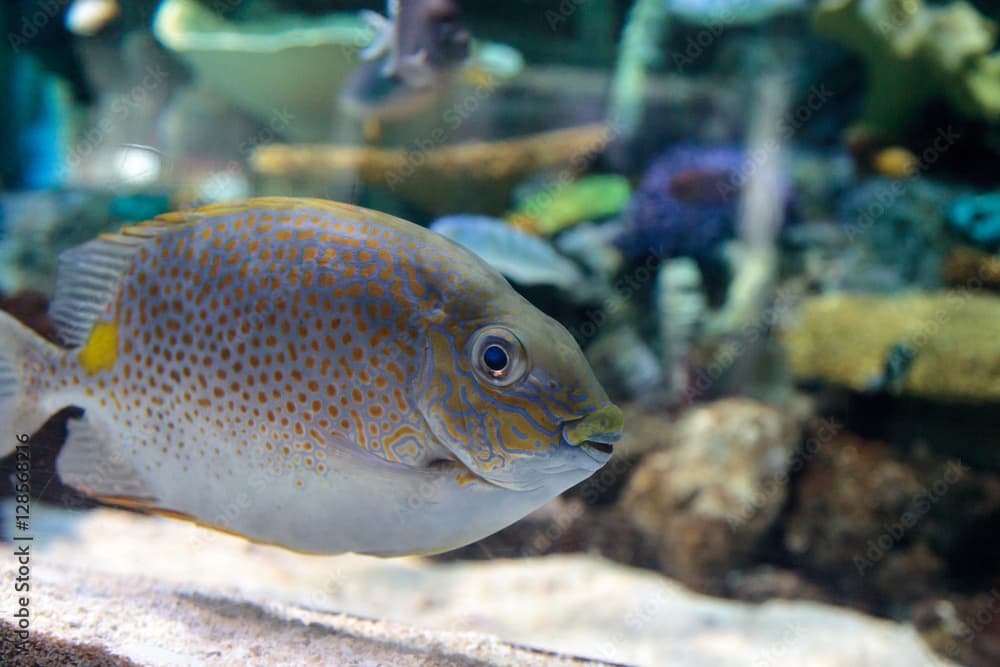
[(601, 447), (596, 432)]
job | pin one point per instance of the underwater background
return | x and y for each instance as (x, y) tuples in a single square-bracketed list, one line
[(773, 227)]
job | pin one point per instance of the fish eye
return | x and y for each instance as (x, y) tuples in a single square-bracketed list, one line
[(498, 356), (496, 360)]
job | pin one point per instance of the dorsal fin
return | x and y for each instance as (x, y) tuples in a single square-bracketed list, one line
[(86, 281), (89, 275)]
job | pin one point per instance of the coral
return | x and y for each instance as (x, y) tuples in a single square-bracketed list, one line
[(590, 198), (894, 234), (710, 496), (685, 204), (845, 339), (473, 176), (970, 267), (916, 54), (637, 51), (977, 217), (681, 310), (249, 63)]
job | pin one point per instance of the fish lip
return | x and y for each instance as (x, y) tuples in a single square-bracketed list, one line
[(595, 433), (602, 425)]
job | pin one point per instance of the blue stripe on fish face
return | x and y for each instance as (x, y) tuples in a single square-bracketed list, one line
[(507, 434)]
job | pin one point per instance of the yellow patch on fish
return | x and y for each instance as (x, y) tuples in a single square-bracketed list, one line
[(101, 349), (396, 396)]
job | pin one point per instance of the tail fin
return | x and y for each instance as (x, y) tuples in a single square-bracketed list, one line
[(23, 357)]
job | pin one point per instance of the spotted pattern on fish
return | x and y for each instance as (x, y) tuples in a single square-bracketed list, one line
[(265, 335), (274, 330)]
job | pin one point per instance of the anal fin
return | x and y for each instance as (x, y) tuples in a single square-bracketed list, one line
[(91, 463)]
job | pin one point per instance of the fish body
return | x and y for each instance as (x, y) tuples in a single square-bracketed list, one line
[(420, 38), (310, 374), (524, 258)]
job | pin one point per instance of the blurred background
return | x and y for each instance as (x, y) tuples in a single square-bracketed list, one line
[(772, 226)]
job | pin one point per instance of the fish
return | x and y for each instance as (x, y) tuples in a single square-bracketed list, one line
[(308, 374), (524, 258), (419, 38), (415, 51), (899, 360)]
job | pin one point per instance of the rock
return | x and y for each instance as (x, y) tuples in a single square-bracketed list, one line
[(31, 308), (882, 529), (969, 267), (708, 498), (649, 430), (158, 592), (846, 340), (965, 628), (765, 582)]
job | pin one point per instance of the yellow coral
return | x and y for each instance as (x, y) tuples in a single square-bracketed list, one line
[(844, 340)]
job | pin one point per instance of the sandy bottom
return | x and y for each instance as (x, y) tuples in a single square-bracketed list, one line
[(110, 587)]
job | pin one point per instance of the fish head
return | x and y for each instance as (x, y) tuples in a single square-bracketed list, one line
[(508, 392)]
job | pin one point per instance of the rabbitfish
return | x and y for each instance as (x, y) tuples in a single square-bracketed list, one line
[(355, 381)]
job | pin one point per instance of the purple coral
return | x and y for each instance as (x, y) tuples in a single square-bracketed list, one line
[(686, 203)]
